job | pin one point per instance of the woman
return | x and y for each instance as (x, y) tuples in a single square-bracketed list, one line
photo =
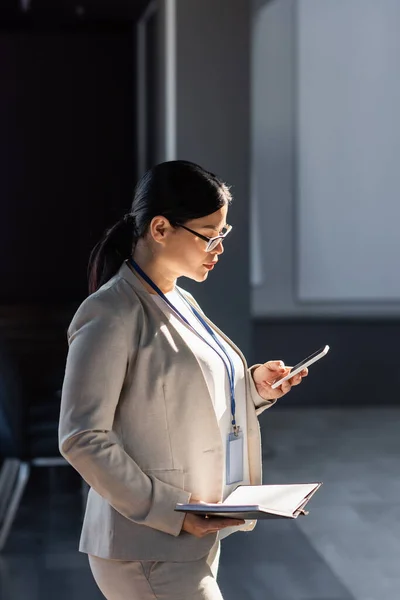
[(155, 394)]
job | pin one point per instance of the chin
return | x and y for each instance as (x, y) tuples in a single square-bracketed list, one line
[(200, 278), (197, 276)]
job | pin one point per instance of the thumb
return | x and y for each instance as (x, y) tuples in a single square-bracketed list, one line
[(275, 365)]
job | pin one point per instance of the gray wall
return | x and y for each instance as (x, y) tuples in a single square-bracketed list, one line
[(272, 171), (211, 113), (325, 141)]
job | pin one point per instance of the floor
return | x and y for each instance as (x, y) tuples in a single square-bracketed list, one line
[(347, 548)]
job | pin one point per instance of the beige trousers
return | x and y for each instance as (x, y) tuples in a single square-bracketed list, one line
[(146, 580)]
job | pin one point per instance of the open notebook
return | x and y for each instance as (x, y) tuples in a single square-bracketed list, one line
[(259, 502)]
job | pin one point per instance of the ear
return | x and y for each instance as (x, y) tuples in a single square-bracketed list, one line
[(160, 228)]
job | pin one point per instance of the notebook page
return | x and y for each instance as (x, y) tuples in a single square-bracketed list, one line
[(281, 498)]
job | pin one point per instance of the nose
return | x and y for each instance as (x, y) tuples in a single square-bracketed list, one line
[(220, 248)]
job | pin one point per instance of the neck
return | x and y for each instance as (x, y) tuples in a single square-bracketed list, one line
[(155, 270)]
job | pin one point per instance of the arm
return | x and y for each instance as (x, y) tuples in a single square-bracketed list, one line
[(259, 402), (95, 372), (260, 377)]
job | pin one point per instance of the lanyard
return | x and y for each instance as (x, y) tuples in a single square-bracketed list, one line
[(231, 369)]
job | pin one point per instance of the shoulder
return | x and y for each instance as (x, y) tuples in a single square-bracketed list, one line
[(114, 303)]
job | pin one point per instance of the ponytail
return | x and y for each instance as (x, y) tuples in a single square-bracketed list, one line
[(110, 252), (179, 190)]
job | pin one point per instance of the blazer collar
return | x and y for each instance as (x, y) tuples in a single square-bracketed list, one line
[(126, 273)]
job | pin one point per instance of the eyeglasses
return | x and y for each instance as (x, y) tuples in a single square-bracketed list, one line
[(213, 242)]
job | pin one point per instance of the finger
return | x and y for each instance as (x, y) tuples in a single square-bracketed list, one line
[(302, 373), (296, 379), (276, 376), (218, 523), (225, 525), (285, 371), (285, 388), (209, 530), (275, 365), (226, 522)]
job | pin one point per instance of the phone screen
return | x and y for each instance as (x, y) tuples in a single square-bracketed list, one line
[(303, 362)]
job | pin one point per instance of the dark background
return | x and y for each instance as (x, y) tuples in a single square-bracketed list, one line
[(67, 163), (67, 170), (361, 368)]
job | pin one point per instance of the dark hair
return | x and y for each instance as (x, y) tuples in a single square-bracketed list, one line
[(178, 190)]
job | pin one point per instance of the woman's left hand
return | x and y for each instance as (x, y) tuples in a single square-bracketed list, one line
[(265, 375)]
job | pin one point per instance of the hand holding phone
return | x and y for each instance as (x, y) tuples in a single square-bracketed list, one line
[(302, 365)]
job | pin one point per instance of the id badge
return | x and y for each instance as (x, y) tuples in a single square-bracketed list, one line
[(234, 458)]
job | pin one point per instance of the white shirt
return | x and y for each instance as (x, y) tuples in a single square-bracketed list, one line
[(215, 374)]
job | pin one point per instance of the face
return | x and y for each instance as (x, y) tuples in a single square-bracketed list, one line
[(184, 254)]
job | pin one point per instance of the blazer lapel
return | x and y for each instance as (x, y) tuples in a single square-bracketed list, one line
[(128, 274)]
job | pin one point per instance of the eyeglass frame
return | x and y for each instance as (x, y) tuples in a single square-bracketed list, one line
[(204, 237)]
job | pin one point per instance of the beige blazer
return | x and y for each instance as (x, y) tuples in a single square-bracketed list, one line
[(138, 423)]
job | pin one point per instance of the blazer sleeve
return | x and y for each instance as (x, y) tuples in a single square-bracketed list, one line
[(259, 402), (95, 371)]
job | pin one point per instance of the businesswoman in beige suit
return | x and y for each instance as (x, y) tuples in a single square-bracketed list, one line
[(155, 396)]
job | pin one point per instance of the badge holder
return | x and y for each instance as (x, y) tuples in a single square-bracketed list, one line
[(234, 457)]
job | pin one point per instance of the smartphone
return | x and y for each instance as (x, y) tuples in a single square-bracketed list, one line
[(302, 365)]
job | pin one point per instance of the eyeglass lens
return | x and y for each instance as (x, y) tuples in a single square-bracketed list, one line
[(214, 244)]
